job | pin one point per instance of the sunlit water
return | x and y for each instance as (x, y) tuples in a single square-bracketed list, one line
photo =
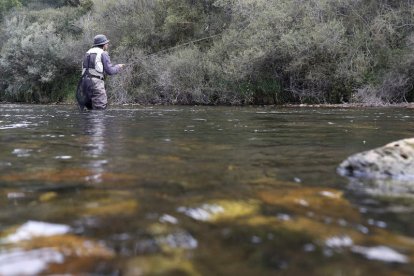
[(197, 191)]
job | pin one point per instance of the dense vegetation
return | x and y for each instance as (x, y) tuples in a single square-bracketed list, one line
[(213, 51)]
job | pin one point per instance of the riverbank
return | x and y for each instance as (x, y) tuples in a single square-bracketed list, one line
[(343, 105), (353, 105)]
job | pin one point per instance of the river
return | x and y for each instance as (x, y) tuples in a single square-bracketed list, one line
[(197, 191)]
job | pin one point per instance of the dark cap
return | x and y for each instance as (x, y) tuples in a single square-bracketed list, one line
[(100, 40)]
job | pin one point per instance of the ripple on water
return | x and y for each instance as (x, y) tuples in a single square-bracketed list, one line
[(63, 157), (5, 164), (22, 152), (18, 125)]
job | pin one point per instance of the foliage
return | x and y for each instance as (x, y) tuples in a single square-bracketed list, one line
[(30, 43), (215, 51), (36, 59), (6, 5)]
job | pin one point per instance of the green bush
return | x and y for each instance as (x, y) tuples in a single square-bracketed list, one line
[(214, 51), (7, 5), (37, 58)]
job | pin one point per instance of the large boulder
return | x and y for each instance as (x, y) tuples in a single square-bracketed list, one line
[(392, 161)]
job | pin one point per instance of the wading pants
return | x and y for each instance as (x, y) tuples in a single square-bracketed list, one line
[(98, 94)]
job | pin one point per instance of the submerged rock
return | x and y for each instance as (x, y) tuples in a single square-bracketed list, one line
[(34, 229), (45, 248), (110, 207), (159, 265), (381, 253), (399, 192), (221, 210), (392, 161), (33, 262)]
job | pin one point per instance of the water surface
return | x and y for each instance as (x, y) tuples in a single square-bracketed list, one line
[(197, 191)]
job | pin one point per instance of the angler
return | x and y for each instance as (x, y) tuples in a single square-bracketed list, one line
[(91, 91)]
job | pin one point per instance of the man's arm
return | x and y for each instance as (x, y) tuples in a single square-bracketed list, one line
[(110, 69)]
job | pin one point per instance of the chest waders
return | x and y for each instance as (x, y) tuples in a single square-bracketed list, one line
[(85, 84)]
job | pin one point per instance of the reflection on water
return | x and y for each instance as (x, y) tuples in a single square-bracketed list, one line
[(199, 191), (93, 125)]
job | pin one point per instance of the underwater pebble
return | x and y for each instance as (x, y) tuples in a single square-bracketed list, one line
[(32, 229), (15, 195), (339, 241), (169, 219), (302, 202), (380, 224), (380, 253), (48, 196), (328, 252), (5, 164), (202, 213), (342, 222), (329, 194), (327, 220), (256, 239), (363, 229), (310, 214), (22, 152), (178, 240), (63, 157), (17, 262), (121, 237), (309, 247), (284, 217)]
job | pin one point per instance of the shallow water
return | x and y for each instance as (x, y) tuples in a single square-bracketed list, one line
[(197, 191)]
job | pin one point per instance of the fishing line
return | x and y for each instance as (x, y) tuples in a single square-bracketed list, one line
[(170, 49)]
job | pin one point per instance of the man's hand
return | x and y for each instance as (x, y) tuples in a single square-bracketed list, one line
[(121, 65)]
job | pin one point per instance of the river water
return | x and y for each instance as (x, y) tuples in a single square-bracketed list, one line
[(197, 191)]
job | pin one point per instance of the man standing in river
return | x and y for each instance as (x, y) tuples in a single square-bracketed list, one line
[(96, 64)]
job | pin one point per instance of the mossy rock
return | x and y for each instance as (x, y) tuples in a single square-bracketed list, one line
[(322, 202), (327, 216), (221, 210), (110, 207), (50, 249), (171, 239), (70, 246), (160, 265)]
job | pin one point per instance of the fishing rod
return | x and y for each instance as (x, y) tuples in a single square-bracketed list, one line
[(170, 49)]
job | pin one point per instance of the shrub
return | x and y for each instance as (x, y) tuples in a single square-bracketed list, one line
[(6, 5), (218, 51), (24, 59), (36, 59), (170, 78)]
